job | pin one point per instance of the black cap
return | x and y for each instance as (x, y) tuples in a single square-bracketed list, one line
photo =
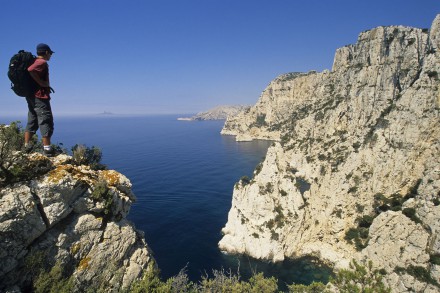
[(43, 48)]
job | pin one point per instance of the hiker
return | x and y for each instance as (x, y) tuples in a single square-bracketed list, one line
[(40, 112)]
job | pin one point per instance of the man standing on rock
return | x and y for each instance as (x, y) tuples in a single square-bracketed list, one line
[(40, 112)]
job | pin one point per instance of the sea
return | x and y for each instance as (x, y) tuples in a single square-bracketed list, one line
[(183, 174)]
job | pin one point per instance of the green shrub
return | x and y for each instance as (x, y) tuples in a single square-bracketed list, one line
[(258, 168), (365, 221), (418, 272), (432, 74), (322, 157), (338, 213), (352, 189), (15, 165), (270, 224), (83, 155), (220, 282), (258, 283), (101, 193), (434, 259), (11, 141), (274, 235), (383, 203), (260, 121), (35, 263), (228, 282), (245, 180), (359, 279), (411, 213), (356, 146), (357, 236), (279, 217), (151, 282), (315, 287), (359, 208), (267, 189), (351, 234), (53, 281), (363, 232)]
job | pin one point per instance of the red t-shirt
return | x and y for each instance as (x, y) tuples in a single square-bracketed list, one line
[(41, 67)]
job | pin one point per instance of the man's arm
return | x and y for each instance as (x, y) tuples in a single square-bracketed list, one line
[(41, 82)]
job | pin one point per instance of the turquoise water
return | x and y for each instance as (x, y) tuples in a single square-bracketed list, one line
[(183, 175)]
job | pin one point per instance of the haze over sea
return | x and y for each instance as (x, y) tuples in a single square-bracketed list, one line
[(183, 174)]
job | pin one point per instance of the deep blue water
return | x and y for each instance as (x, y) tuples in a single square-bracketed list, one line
[(183, 175)]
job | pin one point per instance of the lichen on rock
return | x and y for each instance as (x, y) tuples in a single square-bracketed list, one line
[(52, 220)]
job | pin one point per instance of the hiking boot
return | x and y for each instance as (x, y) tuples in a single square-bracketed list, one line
[(28, 149), (49, 153)]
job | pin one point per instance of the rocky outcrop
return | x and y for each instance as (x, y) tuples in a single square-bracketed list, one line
[(73, 217), (354, 172), (218, 113)]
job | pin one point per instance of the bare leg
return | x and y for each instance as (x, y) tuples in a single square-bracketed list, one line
[(46, 141), (27, 137)]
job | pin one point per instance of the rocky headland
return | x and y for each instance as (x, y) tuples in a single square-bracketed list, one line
[(217, 113), (354, 170), (72, 218), (353, 174)]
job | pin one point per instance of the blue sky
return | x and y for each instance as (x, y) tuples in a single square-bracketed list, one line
[(184, 56)]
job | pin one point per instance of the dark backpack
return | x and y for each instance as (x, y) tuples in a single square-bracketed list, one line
[(21, 81)]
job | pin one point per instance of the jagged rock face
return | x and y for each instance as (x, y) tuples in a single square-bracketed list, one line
[(360, 142), (59, 219)]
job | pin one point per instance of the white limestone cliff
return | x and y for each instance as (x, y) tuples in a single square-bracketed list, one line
[(56, 218), (354, 172), (217, 113)]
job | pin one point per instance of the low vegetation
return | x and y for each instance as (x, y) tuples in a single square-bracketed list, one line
[(358, 278), (260, 121), (53, 281), (101, 193), (10, 142), (91, 156), (16, 165), (418, 272), (359, 235)]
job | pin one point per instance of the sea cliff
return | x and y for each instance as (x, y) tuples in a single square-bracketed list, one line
[(354, 170), (71, 217), (217, 113)]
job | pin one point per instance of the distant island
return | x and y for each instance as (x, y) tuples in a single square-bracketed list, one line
[(217, 113)]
